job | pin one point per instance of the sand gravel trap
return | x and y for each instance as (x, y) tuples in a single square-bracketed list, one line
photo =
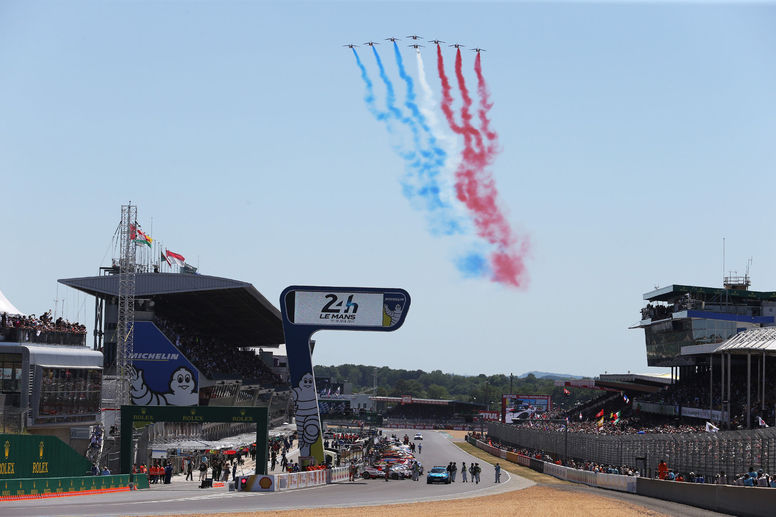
[(537, 500)]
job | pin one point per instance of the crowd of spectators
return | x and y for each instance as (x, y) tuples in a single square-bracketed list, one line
[(754, 477), (31, 327), (217, 359), (636, 424)]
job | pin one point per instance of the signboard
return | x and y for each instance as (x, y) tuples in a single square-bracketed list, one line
[(406, 399), (489, 415), (308, 309), (348, 309), (37, 456), (524, 407), (161, 374)]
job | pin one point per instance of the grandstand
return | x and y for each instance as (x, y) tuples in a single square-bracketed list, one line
[(196, 339)]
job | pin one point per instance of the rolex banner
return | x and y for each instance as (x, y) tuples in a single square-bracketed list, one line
[(33, 456)]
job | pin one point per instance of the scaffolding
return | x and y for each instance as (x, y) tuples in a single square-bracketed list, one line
[(126, 310)]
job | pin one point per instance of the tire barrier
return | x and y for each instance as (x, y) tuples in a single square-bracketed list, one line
[(735, 500)]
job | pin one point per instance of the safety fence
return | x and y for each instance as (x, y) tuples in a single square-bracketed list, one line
[(735, 500), (291, 480), (702, 453)]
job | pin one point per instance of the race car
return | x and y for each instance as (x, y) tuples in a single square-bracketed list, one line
[(438, 475), (370, 472), (418, 436)]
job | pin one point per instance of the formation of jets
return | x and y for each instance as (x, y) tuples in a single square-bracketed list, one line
[(416, 45)]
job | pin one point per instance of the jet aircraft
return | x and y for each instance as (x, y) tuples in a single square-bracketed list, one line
[(350, 45), (478, 50), (415, 37), (435, 41), (456, 45), (415, 46), (371, 43), (392, 39)]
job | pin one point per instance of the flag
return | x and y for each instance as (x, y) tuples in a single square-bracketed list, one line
[(177, 259), (625, 398), (143, 238), (566, 392), (601, 422), (761, 422), (164, 257), (711, 428), (616, 417), (580, 415), (600, 414)]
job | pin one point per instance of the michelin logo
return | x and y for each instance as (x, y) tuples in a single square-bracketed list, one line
[(155, 357)]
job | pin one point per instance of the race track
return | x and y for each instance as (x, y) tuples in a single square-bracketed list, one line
[(187, 498)]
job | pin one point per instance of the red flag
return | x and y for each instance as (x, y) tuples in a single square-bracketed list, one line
[(600, 414), (566, 392), (178, 259)]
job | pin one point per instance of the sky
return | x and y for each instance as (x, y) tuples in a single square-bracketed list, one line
[(633, 138)]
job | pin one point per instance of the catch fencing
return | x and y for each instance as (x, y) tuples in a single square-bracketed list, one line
[(702, 453)]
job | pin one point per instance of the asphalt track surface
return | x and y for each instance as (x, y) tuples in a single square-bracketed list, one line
[(187, 498), (183, 497)]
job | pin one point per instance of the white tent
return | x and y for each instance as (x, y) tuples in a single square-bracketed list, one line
[(7, 306)]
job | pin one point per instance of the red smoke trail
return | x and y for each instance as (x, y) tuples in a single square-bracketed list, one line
[(485, 105), (474, 185), (447, 97)]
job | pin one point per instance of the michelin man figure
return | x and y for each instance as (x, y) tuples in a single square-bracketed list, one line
[(306, 413), (394, 314), (183, 390)]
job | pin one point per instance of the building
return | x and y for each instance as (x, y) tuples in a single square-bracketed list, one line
[(50, 382)]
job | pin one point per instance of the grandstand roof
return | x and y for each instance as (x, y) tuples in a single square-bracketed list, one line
[(235, 310), (754, 340), (671, 292)]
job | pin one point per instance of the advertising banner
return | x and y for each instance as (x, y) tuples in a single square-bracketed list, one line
[(161, 374)]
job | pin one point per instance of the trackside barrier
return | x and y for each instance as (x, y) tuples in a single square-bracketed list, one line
[(736, 500), (338, 474), (11, 489), (290, 481)]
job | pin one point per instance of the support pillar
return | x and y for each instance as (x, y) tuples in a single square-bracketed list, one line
[(729, 360), (721, 387), (748, 390)]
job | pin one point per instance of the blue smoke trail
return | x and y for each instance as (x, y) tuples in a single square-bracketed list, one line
[(369, 96), (441, 214)]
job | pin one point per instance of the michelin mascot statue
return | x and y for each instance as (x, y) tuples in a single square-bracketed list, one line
[(308, 426)]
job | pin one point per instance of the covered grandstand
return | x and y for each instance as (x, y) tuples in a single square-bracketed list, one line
[(210, 325)]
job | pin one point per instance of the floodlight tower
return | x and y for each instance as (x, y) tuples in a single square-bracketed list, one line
[(126, 314)]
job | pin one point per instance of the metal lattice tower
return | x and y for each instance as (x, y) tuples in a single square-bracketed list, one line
[(126, 314)]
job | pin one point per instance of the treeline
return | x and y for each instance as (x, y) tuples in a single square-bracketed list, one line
[(484, 389)]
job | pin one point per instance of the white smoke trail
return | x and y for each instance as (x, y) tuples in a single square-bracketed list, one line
[(447, 140)]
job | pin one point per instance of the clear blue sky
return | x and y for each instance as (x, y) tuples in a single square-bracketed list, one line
[(635, 136)]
